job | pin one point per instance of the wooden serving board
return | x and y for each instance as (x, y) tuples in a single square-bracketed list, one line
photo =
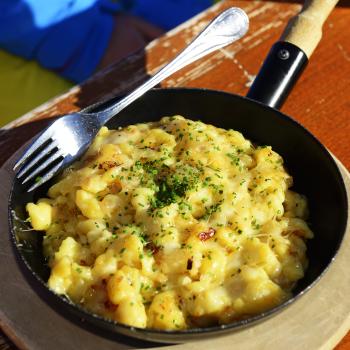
[(318, 320)]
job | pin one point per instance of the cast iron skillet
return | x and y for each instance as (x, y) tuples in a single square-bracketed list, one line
[(312, 167)]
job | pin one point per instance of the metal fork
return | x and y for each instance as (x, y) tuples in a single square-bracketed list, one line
[(68, 137)]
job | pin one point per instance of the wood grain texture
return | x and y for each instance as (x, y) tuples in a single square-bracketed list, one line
[(305, 30), (320, 100)]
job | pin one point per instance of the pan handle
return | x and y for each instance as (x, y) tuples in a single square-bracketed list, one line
[(289, 56)]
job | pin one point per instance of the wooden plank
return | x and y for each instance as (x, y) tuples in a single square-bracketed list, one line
[(319, 101)]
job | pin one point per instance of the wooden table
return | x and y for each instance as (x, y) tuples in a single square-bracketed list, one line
[(320, 101)]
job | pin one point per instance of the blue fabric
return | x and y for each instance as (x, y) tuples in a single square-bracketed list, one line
[(168, 14), (71, 36)]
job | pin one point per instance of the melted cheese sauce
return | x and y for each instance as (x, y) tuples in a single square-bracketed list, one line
[(172, 225)]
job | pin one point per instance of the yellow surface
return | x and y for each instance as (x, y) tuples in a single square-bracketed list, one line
[(24, 85)]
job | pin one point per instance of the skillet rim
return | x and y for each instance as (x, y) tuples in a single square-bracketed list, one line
[(192, 333)]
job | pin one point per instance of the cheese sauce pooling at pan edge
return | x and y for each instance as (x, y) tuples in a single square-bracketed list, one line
[(174, 224)]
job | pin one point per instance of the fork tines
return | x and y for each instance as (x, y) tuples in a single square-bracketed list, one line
[(42, 155)]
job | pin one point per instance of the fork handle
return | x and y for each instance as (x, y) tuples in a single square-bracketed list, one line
[(228, 27)]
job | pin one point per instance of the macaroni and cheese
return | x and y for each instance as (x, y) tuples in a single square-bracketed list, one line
[(172, 225)]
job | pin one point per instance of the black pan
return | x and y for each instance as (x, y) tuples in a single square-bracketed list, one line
[(313, 169)]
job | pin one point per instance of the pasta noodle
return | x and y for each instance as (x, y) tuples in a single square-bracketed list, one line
[(172, 225)]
